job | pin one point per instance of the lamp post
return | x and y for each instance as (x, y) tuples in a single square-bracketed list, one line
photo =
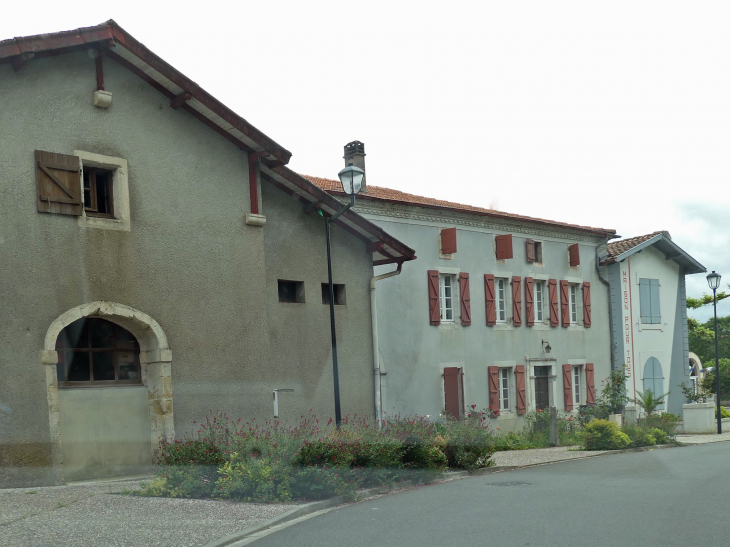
[(351, 179), (713, 280)]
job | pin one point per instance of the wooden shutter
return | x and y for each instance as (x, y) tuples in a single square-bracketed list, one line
[(493, 377), (529, 302), (530, 250), (448, 241), (586, 304), (517, 301), (656, 314), (553, 295), (504, 246), (434, 307), (567, 387), (454, 392), (465, 299), (590, 385), (520, 389), (58, 183), (564, 303), (574, 255), (489, 299)]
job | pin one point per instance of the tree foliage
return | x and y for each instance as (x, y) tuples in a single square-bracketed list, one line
[(702, 339)]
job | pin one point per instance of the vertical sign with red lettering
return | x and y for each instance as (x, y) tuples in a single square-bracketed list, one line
[(628, 333)]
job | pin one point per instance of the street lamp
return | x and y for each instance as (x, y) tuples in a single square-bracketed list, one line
[(713, 280), (351, 179)]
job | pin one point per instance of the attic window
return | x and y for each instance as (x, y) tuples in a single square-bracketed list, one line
[(291, 291), (98, 197), (339, 291)]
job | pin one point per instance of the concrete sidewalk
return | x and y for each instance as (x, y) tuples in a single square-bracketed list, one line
[(704, 439)]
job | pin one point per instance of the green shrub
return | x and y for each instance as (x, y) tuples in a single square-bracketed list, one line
[(254, 479), (640, 435), (511, 441), (665, 421), (468, 446), (660, 436), (332, 452), (604, 435)]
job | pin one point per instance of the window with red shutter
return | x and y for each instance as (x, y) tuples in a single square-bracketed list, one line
[(465, 299), (530, 250), (586, 304), (553, 296), (529, 302), (434, 309), (590, 385), (448, 241), (564, 303), (493, 380), (489, 299), (574, 254), (454, 392), (568, 387), (517, 301), (504, 246), (520, 389)]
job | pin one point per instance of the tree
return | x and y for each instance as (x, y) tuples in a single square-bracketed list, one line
[(706, 299), (708, 382), (702, 339)]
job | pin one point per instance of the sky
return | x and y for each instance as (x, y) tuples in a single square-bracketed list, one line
[(606, 114)]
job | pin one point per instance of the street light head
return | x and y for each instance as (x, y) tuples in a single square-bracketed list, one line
[(713, 279), (351, 179)]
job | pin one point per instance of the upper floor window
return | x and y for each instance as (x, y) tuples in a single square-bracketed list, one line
[(97, 352), (576, 386), (501, 299), (649, 296), (573, 290), (539, 300), (504, 374), (447, 284), (98, 197)]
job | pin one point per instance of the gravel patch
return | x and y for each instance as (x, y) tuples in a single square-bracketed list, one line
[(94, 514), (542, 455)]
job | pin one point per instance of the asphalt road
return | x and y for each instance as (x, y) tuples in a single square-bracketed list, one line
[(663, 497)]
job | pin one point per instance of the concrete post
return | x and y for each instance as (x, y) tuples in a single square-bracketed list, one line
[(554, 437)]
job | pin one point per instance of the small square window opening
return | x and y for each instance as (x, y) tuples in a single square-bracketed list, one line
[(291, 291), (339, 291), (538, 252), (98, 198)]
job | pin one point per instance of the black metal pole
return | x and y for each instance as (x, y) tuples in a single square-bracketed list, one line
[(335, 372), (717, 366)]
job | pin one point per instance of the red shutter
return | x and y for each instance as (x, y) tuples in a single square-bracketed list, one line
[(586, 304), (590, 385), (529, 302), (504, 246), (493, 377), (58, 183), (454, 392), (553, 294), (517, 301), (489, 299), (465, 299), (520, 389), (448, 241), (530, 250), (434, 308), (567, 387), (574, 255), (564, 304)]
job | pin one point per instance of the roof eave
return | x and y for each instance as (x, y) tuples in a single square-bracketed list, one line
[(678, 255)]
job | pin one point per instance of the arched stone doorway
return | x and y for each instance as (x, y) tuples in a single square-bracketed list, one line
[(155, 360)]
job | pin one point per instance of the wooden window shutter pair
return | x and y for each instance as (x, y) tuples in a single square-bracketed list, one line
[(448, 241), (586, 304), (517, 301), (489, 299), (529, 302), (568, 387), (434, 307), (553, 296), (465, 298), (590, 385), (58, 183), (530, 250), (564, 303), (454, 392), (493, 381), (574, 254), (520, 389), (504, 246)]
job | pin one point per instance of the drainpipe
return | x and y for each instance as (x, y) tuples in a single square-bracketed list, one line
[(610, 309), (376, 351)]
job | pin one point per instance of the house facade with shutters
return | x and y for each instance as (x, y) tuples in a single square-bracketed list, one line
[(649, 315), (157, 262), (468, 324)]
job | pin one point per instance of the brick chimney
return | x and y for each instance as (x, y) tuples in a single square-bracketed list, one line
[(355, 155)]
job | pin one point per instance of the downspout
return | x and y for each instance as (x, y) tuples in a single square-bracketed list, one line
[(610, 309), (376, 351)]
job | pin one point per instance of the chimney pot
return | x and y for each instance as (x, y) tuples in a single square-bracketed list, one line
[(355, 156)]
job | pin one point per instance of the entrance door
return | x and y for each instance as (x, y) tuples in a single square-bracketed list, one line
[(542, 395)]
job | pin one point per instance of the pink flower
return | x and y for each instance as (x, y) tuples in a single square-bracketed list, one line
[(473, 406), (497, 428)]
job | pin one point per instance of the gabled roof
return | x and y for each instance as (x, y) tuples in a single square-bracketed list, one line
[(662, 241), (395, 196), (118, 45)]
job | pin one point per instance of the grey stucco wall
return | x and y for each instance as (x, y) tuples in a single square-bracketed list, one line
[(414, 353), (617, 326), (679, 371), (189, 261)]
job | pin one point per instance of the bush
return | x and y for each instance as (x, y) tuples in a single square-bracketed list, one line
[(468, 446), (665, 422), (511, 441), (254, 479), (604, 435), (640, 435), (660, 436)]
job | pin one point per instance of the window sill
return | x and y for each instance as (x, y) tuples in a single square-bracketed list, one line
[(650, 326), (575, 327), (87, 385), (503, 326), (540, 326), (105, 223), (449, 326)]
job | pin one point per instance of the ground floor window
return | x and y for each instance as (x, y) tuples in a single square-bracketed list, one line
[(542, 387), (504, 374)]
